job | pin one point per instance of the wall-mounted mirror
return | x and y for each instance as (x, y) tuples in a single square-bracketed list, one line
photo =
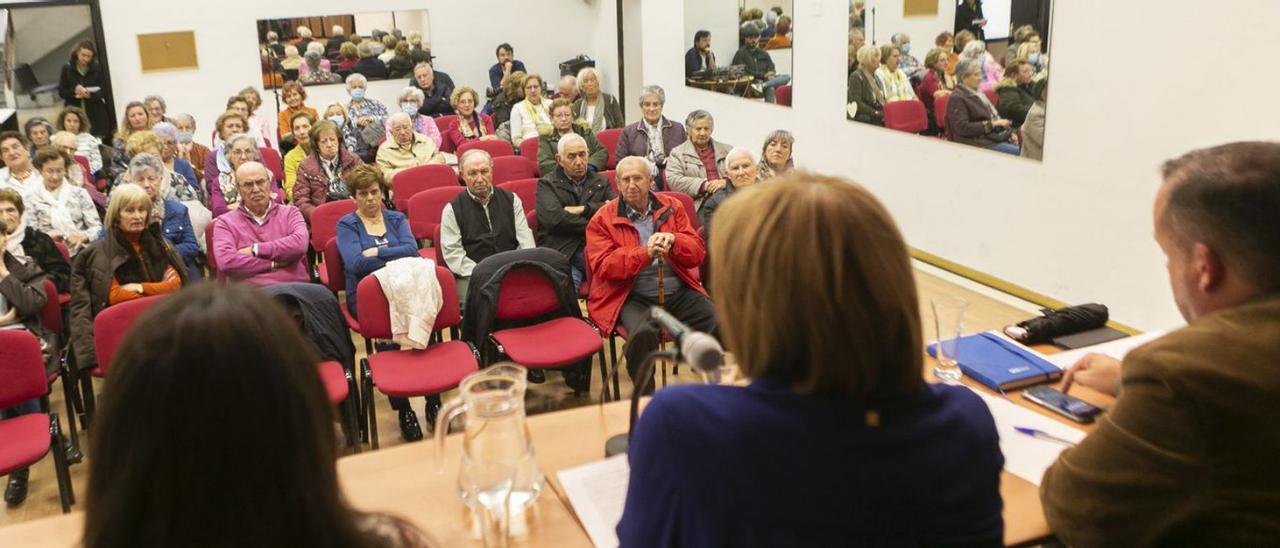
[(740, 47), (339, 45), (974, 72)]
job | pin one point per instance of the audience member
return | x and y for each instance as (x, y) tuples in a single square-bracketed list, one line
[(239, 105), (470, 124), (147, 171), (295, 98), (971, 118), (836, 397), (907, 63), (1015, 92), (653, 136), (348, 56), (947, 41), (273, 44), (1030, 52), (225, 195), (696, 167), (531, 116), (625, 240), (759, 65), (194, 153), (156, 108), (512, 93), (135, 119), (563, 123), (367, 116), (218, 162), (507, 64), (741, 171), (75, 121), (315, 72), (300, 129), (935, 83), (976, 50), (337, 114), (262, 242), (599, 109), (37, 130), (781, 38), (63, 211), (83, 85), (30, 245), (401, 63), (304, 38), (370, 237), (894, 82), (322, 173), (699, 58), (969, 18), (406, 148), (567, 88), (387, 44), (411, 99), (369, 65), (568, 196), (480, 222), (866, 97), (857, 39), (76, 174), (437, 90), (1185, 456), (336, 38), (1033, 128), (291, 60), (775, 157), (179, 179), (194, 351), (259, 126), (17, 174)]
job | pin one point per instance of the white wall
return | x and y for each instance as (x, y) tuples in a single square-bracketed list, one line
[(1076, 226), (720, 17), (923, 30), (463, 37)]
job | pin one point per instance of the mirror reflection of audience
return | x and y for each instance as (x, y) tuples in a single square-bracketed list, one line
[(261, 242), (437, 89), (74, 121), (371, 236), (147, 171), (37, 130), (781, 38), (156, 109), (76, 175), (135, 119), (295, 101), (411, 100), (530, 117), (775, 157), (507, 64), (936, 82), (835, 398), (759, 64), (322, 172), (82, 84), (857, 39), (300, 131), (401, 63), (63, 211), (568, 196), (699, 58), (962, 39), (314, 71), (387, 50), (653, 136), (567, 88), (273, 44), (969, 17), (601, 110), (976, 50), (907, 63), (480, 222), (1033, 128), (470, 124), (625, 238), (18, 173), (304, 39), (1030, 52), (29, 244), (971, 118), (194, 153), (564, 123), (367, 116), (510, 94), (865, 95), (369, 65), (696, 167), (239, 105), (1015, 92), (197, 348), (337, 37), (893, 80), (167, 140), (406, 147), (348, 56)]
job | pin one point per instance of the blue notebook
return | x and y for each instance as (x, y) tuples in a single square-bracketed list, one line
[(1000, 364)]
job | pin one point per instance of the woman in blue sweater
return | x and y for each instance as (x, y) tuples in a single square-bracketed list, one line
[(370, 237), (837, 440)]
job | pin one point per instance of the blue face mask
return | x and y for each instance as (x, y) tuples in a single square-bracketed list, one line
[(410, 109), (1034, 59), (906, 48), (357, 94), (185, 138), (340, 121)]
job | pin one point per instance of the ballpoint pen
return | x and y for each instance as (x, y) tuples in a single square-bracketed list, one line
[(1042, 435)]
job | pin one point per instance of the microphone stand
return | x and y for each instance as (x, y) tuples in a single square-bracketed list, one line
[(620, 443), (873, 25)]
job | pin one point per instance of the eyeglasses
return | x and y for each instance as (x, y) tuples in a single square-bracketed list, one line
[(255, 182)]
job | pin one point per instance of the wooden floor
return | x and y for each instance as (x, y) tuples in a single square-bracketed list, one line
[(984, 313)]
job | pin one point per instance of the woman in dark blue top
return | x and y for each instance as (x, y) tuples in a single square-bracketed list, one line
[(837, 440), (370, 237)]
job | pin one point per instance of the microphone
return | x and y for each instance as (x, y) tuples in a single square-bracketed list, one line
[(701, 351)]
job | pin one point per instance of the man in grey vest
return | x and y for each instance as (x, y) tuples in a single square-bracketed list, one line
[(480, 222)]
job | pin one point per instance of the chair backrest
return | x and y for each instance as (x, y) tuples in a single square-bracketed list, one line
[(333, 266), (324, 221), (526, 189), (375, 313), (51, 313), (411, 181), (531, 217), (783, 95), (906, 116), (426, 207), (511, 168), (525, 292), (609, 140), (993, 96), (84, 165), (271, 159), (21, 367), (495, 148), (687, 202), (208, 245), (112, 325), (940, 111), (529, 148), (443, 123), (612, 176), (435, 242)]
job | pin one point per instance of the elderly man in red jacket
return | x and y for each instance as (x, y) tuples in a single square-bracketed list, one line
[(625, 240)]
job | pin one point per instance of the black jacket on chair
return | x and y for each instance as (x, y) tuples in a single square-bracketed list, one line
[(322, 320), (479, 319)]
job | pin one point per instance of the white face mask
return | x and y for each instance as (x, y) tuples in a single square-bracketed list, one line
[(410, 109), (338, 120)]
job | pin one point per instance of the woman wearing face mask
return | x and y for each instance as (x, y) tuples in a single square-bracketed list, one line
[(470, 125), (63, 211), (38, 130), (147, 171), (1030, 52), (321, 174), (337, 114), (135, 119), (189, 150), (300, 125), (295, 97), (75, 121), (410, 101), (367, 116), (531, 116), (775, 157)]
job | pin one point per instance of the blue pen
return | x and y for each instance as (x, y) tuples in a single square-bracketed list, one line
[(1042, 435)]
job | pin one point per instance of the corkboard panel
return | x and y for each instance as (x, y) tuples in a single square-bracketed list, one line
[(919, 8), (165, 51)]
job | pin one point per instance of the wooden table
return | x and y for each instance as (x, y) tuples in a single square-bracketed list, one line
[(737, 86)]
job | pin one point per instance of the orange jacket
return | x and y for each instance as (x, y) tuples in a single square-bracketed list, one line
[(616, 256)]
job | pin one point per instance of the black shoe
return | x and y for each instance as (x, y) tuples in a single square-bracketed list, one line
[(74, 456), (16, 491), (537, 376), (432, 411), (577, 381), (409, 429)]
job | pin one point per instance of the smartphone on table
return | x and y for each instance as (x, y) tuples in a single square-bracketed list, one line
[(1070, 407)]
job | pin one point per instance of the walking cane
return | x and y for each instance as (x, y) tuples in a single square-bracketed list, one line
[(662, 339)]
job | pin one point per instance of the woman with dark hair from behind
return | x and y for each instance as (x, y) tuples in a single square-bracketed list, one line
[(862, 449), (259, 472)]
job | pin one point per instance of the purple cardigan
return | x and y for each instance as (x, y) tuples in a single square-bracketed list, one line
[(281, 238)]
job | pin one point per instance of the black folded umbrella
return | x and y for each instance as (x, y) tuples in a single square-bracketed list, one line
[(1056, 323)]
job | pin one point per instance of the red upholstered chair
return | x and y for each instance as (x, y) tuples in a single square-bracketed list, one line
[(336, 280), (526, 293), (443, 123), (783, 95), (529, 148), (495, 147), (526, 189), (51, 319), (609, 140), (411, 181), (993, 96), (940, 113), (531, 218), (426, 207), (208, 244), (612, 176), (271, 159), (109, 330), (410, 373), (64, 298), (687, 202), (339, 386), (26, 439), (908, 116), (511, 168), (439, 250), (324, 225)]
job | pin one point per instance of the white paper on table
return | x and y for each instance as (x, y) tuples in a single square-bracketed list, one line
[(598, 491), (1025, 456), (1116, 349)]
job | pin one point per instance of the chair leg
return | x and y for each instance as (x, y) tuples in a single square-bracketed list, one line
[(370, 414), (353, 425), (68, 396), (66, 494), (86, 392), (613, 353), (604, 377)]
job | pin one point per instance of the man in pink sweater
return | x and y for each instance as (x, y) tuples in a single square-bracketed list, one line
[(260, 242)]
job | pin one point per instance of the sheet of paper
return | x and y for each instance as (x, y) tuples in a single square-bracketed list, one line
[(1025, 456), (1116, 349), (598, 491)]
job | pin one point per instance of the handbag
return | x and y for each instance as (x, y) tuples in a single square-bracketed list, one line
[(1000, 134)]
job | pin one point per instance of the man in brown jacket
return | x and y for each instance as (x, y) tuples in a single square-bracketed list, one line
[(1187, 456)]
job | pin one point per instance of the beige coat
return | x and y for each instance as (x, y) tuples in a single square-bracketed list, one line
[(393, 159), (685, 172)]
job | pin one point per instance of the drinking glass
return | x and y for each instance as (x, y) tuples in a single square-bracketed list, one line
[(948, 324)]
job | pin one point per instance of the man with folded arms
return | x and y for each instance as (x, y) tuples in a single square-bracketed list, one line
[(1187, 455), (567, 198), (483, 221), (261, 242)]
